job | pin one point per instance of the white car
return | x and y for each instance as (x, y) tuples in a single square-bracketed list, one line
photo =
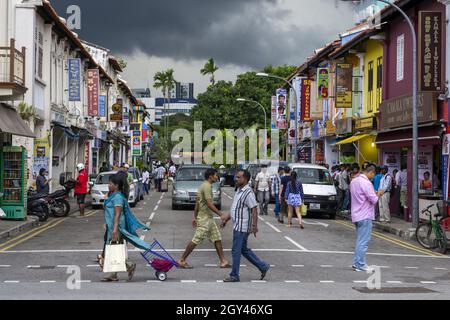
[(318, 187), (100, 190)]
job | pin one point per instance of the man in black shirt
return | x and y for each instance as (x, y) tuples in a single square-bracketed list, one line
[(42, 183)]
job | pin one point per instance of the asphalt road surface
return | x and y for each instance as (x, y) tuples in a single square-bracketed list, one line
[(314, 263)]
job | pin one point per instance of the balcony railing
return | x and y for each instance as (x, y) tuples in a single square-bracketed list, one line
[(12, 65)]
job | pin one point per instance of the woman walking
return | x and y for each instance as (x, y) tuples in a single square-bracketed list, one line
[(294, 198), (121, 224)]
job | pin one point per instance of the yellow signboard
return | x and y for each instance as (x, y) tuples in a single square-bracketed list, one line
[(366, 123)]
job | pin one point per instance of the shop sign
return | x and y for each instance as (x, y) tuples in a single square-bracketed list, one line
[(319, 152), (74, 79), (331, 129), (446, 145), (316, 104), (102, 106), (304, 154), (445, 177), (306, 100), (344, 126), (365, 123), (426, 170), (391, 159), (93, 86), (344, 85), (137, 143), (430, 51), (306, 133), (117, 109), (398, 112), (323, 80)]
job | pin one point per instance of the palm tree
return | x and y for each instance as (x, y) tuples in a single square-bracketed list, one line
[(210, 68), (165, 81)]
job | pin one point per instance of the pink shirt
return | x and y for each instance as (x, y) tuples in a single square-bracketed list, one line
[(364, 198)]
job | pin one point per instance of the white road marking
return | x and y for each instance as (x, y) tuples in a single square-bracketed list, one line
[(315, 223), (243, 265), (411, 267), (219, 281), (62, 266), (394, 282), (259, 281), (273, 227), (153, 281), (152, 215), (5, 266), (210, 265), (326, 266), (360, 281), (384, 267), (145, 203), (11, 281), (159, 201), (272, 266), (326, 281), (156, 208), (47, 281), (33, 267), (262, 219), (427, 282), (188, 281), (83, 281), (297, 265), (292, 281), (440, 269), (296, 244)]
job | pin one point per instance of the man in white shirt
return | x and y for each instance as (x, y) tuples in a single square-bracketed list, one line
[(146, 180), (262, 189), (384, 193), (172, 170)]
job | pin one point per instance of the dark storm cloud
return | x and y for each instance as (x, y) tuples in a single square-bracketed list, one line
[(240, 32)]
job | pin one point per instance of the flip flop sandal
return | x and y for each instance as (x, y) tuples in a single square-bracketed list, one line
[(110, 279), (185, 266), (131, 272), (227, 266)]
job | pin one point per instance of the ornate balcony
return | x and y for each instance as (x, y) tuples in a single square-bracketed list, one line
[(12, 72)]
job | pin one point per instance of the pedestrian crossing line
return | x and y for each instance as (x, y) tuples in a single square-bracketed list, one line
[(83, 281), (440, 269), (47, 281), (297, 266), (412, 268), (394, 282), (326, 266), (427, 282), (33, 267), (159, 201), (63, 266), (360, 281), (259, 281), (152, 216), (188, 281), (291, 281), (211, 265), (395, 241), (219, 281), (153, 281), (273, 227), (327, 281), (156, 208), (11, 281), (296, 244), (5, 266)]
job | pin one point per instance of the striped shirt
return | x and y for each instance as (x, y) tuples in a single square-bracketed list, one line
[(276, 182), (160, 173), (241, 210)]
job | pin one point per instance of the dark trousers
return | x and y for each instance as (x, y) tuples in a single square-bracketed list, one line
[(158, 184), (340, 198), (146, 187)]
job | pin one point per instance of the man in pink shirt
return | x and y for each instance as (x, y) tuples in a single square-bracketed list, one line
[(364, 200)]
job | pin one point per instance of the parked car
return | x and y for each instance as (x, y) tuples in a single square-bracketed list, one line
[(137, 179), (186, 183), (318, 187), (100, 190)]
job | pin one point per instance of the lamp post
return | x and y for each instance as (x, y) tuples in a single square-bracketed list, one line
[(266, 75), (415, 145), (259, 104)]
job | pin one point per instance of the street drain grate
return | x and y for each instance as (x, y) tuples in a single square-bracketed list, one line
[(396, 290)]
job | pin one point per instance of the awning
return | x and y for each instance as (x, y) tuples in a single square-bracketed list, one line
[(11, 122), (352, 139), (428, 135), (67, 131)]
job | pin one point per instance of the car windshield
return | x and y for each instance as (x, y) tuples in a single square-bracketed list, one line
[(191, 174), (103, 179), (314, 176)]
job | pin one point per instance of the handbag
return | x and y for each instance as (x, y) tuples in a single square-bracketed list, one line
[(115, 258), (303, 209)]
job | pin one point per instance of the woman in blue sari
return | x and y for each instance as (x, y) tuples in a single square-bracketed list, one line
[(121, 224)]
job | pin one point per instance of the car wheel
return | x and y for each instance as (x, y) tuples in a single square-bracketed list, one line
[(174, 206)]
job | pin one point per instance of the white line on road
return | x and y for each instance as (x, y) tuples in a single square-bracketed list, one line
[(33, 267), (411, 267), (326, 281), (360, 281), (219, 281), (153, 281), (273, 227), (188, 281), (440, 269), (296, 244), (427, 282), (297, 265), (326, 266), (243, 265), (152, 215), (210, 265), (384, 267), (11, 281), (292, 281), (272, 266), (47, 281), (83, 281), (148, 224), (394, 282), (156, 208), (62, 266), (159, 201), (259, 281), (5, 266), (262, 219)]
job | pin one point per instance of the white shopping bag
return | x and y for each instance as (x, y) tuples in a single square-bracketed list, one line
[(115, 258)]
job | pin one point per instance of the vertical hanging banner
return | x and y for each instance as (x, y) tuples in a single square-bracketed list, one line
[(137, 143), (87, 154), (93, 92), (431, 66), (102, 106), (74, 79), (316, 112), (281, 109), (292, 110), (274, 112), (306, 100), (344, 85), (323, 81), (445, 166), (297, 83)]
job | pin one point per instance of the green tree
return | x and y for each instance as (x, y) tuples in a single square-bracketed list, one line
[(210, 69), (165, 81)]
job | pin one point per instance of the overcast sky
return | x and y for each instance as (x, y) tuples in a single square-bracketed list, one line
[(241, 35)]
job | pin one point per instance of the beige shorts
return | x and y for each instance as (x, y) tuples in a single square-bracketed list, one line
[(403, 197), (207, 229)]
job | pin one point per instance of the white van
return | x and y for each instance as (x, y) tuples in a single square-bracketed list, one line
[(318, 187)]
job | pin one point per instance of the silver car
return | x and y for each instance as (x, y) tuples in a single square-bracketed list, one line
[(186, 183), (100, 190)]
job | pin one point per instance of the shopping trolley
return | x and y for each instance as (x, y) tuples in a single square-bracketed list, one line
[(159, 259)]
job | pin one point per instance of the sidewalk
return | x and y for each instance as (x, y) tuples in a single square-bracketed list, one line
[(398, 227), (10, 228)]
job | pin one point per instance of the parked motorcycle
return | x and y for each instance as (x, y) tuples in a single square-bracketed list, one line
[(57, 200), (37, 205)]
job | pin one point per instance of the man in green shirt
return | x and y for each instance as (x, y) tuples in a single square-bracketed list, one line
[(204, 222)]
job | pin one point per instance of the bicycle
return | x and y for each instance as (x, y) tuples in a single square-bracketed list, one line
[(431, 234)]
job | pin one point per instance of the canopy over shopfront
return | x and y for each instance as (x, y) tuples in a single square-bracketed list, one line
[(352, 139), (11, 122)]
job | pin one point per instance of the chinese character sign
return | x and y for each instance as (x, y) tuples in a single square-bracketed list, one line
[(430, 51), (306, 100), (74, 79), (323, 83), (281, 109), (93, 92)]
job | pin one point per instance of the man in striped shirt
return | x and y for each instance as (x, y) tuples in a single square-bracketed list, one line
[(244, 214), (276, 183)]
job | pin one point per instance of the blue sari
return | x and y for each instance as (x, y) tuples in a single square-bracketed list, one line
[(128, 223)]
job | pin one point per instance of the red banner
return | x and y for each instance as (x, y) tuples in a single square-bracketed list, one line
[(93, 79), (87, 149), (306, 100)]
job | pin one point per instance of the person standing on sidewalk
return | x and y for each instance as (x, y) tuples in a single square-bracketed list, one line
[(81, 187), (344, 189), (262, 189), (276, 185), (244, 214), (204, 222), (402, 183), (283, 204), (384, 192), (363, 204)]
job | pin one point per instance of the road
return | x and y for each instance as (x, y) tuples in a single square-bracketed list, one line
[(314, 263)]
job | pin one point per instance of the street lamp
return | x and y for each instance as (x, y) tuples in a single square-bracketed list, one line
[(266, 75), (415, 183), (259, 104)]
